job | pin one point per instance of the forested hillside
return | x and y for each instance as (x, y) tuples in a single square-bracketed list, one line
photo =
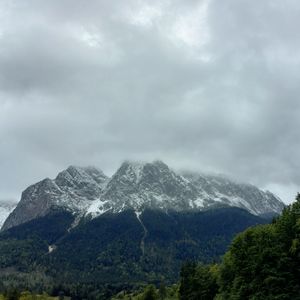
[(114, 252), (262, 263)]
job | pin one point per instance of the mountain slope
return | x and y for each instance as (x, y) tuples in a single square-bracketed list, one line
[(114, 249), (73, 190), (137, 186), (155, 185), (6, 207), (223, 190)]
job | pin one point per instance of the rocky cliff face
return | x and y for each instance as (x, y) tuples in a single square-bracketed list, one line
[(6, 207), (137, 186), (155, 185), (228, 192), (73, 189)]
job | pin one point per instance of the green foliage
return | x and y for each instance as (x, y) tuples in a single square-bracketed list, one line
[(12, 294), (264, 262), (25, 295), (162, 292), (29, 296), (22, 247), (198, 282), (150, 293)]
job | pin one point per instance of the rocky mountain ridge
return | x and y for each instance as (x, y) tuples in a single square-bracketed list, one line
[(89, 192)]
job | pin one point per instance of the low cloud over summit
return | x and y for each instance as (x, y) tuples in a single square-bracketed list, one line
[(203, 85)]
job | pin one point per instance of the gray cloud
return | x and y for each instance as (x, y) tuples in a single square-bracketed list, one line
[(207, 85)]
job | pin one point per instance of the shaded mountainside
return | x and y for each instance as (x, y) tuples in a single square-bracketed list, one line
[(137, 186), (120, 248)]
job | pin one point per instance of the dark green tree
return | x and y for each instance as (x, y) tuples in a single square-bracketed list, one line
[(264, 261), (162, 291), (61, 295), (198, 282), (150, 293), (12, 294)]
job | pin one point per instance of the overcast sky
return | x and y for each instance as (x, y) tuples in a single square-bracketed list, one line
[(205, 85)]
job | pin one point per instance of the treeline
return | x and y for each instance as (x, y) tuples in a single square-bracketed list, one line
[(262, 263), (150, 292), (13, 290), (26, 295)]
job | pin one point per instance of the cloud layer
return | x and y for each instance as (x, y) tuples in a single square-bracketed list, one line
[(206, 85)]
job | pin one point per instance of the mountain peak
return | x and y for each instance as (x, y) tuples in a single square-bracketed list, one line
[(160, 164), (138, 185), (135, 167), (135, 170), (73, 189), (74, 176)]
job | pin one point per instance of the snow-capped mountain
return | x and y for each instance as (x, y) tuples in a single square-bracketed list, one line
[(73, 189), (155, 185), (6, 207), (87, 191), (141, 185), (226, 191)]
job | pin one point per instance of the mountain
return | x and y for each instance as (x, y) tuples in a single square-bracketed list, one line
[(137, 186), (155, 185), (84, 230), (73, 190), (6, 207)]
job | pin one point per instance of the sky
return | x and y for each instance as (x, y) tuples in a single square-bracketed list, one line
[(209, 85)]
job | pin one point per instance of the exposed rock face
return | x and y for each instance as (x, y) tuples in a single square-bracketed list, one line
[(151, 185), (73, 189), (6, 207), (154, 185), (137, 186), (223, 190)]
